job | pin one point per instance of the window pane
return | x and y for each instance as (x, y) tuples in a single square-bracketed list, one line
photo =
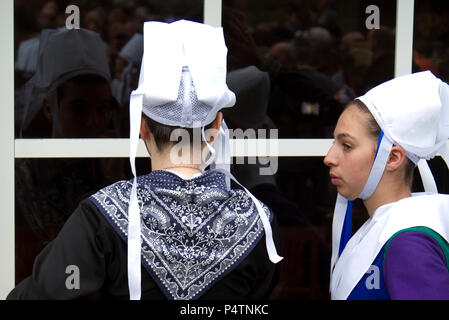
[(319, 56), (302, 199), (431, 52), (299, 193), (431, 37), (83, 87), (48, 191)]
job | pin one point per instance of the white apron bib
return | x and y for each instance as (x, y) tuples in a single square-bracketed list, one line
[(428, 210)]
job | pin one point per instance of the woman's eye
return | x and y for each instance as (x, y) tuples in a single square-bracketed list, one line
[(346, 147)]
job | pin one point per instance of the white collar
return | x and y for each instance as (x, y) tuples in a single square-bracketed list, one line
[(366, 243), (182, 176)]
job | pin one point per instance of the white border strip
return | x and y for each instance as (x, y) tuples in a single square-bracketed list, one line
[(7, 256), (404, 37), (119, 148)]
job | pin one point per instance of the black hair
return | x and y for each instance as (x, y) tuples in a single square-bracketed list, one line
[(162, 133), (373, 127)]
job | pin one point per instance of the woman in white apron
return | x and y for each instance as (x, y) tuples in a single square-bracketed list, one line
[(402, 251)]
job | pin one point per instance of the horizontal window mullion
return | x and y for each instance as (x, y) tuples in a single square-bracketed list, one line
[(119, 148)]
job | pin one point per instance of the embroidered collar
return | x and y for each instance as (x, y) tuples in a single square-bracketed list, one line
[(194, 231)]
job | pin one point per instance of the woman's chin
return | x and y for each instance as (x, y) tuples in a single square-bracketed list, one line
[(346, 194)]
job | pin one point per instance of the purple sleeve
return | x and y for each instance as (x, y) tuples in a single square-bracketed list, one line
[(415, 268)]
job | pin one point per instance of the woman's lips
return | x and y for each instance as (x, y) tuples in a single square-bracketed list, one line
[(334, 179)]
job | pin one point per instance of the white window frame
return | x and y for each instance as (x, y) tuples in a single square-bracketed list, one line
[(98, 148), (7, 148)]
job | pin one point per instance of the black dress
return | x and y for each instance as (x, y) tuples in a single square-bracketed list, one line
[(199, 241)]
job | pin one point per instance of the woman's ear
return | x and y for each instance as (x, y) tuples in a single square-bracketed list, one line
[(396, 159), (144, 132)]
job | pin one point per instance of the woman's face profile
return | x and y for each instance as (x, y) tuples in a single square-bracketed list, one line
[(352, 153)]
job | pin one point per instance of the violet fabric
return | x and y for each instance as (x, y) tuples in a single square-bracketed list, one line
[(415, 268)]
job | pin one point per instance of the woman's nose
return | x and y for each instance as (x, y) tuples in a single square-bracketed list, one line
[(329, 159)]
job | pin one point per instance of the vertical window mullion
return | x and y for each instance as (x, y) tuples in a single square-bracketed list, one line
[(404, 37), (7, 148), (212, 12)]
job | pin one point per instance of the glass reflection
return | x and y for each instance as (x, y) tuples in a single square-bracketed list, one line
[(88, 107), (430, 41), (48, 191), (319, 55), (431, 52)]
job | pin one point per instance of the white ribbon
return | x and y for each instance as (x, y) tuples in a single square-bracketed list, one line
[(223, 153), (377, 170), (337, 227), (134, 241), (271, 249), (220, 160), (426, 176)]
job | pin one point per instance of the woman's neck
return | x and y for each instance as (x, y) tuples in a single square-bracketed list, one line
[(384, 194), (185, 169)]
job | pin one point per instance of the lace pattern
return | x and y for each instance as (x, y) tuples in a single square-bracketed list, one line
[(193, 231)]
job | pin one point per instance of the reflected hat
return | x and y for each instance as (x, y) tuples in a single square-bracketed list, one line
[(63, 55), (252, 89), (68, 53), (132, 51)]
